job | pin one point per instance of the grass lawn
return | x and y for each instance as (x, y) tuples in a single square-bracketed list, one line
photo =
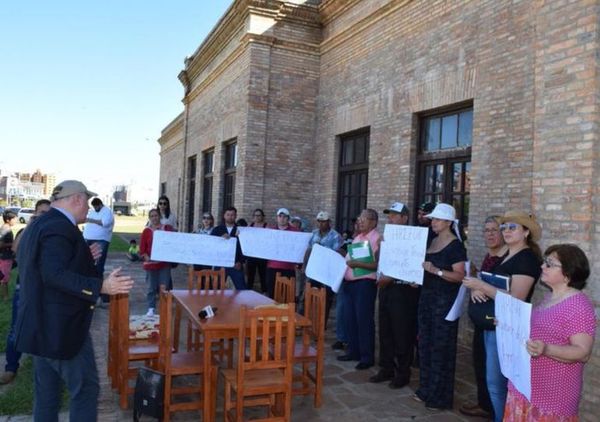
[(129, 227)]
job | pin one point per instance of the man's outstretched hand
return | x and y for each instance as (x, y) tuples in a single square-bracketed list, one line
[(116, 283)]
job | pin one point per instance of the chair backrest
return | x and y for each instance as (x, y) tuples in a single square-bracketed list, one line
[(207, 279), (314, 310), (285, 289), (165, 346), (262, 340)]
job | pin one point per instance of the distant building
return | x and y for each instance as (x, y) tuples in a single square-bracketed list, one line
[(21, 186)]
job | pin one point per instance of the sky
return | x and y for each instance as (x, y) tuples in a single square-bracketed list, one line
[(87, 86)]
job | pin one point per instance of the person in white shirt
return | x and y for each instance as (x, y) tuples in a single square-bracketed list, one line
[(98, 229)]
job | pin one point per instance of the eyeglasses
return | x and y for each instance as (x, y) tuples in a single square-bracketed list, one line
[(162, 203), (206, 217), (509, 226), (551, 264), (490, 231)]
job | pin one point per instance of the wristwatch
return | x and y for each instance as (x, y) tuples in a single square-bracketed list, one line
[(440, 273)]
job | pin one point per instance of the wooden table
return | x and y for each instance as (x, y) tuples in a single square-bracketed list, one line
[(224, 325)]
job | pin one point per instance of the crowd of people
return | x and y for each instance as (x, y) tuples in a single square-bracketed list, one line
[(62, 268)]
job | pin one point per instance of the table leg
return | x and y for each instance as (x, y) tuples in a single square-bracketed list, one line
[(207, 391)]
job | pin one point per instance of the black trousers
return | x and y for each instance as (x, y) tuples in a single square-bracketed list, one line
[(252, 265), (398, 304), (483, 396)]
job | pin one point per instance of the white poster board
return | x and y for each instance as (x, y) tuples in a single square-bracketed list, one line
[(513, 328), (326, 266), (277, 245), (190, 248), (457, 307), (402, 252)]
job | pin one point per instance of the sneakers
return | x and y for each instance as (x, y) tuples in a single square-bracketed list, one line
[(150, 312), (7, 377)]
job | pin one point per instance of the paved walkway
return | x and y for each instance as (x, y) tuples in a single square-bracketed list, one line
[(347, 393)]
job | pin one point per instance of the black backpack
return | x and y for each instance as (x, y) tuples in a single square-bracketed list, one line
[(149, 393)]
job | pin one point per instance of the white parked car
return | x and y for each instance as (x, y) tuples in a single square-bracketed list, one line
[(25, 214)]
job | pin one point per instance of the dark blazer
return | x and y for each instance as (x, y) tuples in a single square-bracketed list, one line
[(221, 230), (59, 287)]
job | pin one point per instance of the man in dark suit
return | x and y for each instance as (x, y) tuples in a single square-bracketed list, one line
[(230, 229), (59, 287)]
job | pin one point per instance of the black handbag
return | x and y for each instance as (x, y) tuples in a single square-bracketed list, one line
[(482, 314), (149, 393)]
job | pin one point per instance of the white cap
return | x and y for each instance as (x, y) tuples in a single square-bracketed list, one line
[(283, 211), (398, 207), (323, 216), (443, 212)]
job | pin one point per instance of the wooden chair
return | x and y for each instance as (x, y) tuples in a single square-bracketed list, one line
[(181, 363), (128, 350), (263, 376), (204, 280), (285, 289), (309, 352), (113, 349)]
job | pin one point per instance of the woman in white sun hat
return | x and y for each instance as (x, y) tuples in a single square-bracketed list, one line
[(444, 270)]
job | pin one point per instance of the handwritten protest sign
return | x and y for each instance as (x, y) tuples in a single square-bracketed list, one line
[(513, 328), (189, 248), (278, 245), (402, 252), (326, 266)]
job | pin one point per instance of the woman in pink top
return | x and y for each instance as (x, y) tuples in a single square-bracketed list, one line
[(562, 334), (286, 269)]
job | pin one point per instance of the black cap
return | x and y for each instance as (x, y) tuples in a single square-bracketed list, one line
[(427, 207)]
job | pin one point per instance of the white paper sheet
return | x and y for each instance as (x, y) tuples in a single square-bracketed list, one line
[(277, 245), (326, 266), (190, 248), (402, 252), (457, 307), (513, 329)]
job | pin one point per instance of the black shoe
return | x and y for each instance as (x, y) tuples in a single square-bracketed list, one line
[(381, 376), (396, 383), (338, 345), (362, 365), (346, 358)]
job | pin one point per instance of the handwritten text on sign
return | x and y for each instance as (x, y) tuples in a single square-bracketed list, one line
[(513, 328), (277, 245), (326, 266), (402, 252), (189, 248)]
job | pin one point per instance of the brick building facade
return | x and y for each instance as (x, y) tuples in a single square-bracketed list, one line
[(334, 104)]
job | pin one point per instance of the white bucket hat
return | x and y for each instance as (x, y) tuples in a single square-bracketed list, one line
[(443, 212)]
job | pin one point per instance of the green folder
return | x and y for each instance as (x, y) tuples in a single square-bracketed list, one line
[(361, 251)]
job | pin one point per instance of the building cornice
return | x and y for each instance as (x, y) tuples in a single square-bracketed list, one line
[(233, 20), (334, 8), (171, 129)]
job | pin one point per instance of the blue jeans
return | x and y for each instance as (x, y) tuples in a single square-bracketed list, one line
[(341, 333), (496, 382), (100, 262), (81, 379), (155, 279), (360, 319), (12, 355), (237, 276)]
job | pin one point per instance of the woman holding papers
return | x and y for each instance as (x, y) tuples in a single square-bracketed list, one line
[(158, 274), (206, 227), (444, 269), (563, 326), (522, 264)]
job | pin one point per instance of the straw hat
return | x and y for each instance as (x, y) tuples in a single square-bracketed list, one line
[(526, 220)]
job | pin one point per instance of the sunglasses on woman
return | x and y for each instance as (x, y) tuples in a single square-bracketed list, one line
[(163, 203), (509, 226)]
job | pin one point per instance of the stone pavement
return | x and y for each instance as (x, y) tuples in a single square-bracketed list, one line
[(347, 393)]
